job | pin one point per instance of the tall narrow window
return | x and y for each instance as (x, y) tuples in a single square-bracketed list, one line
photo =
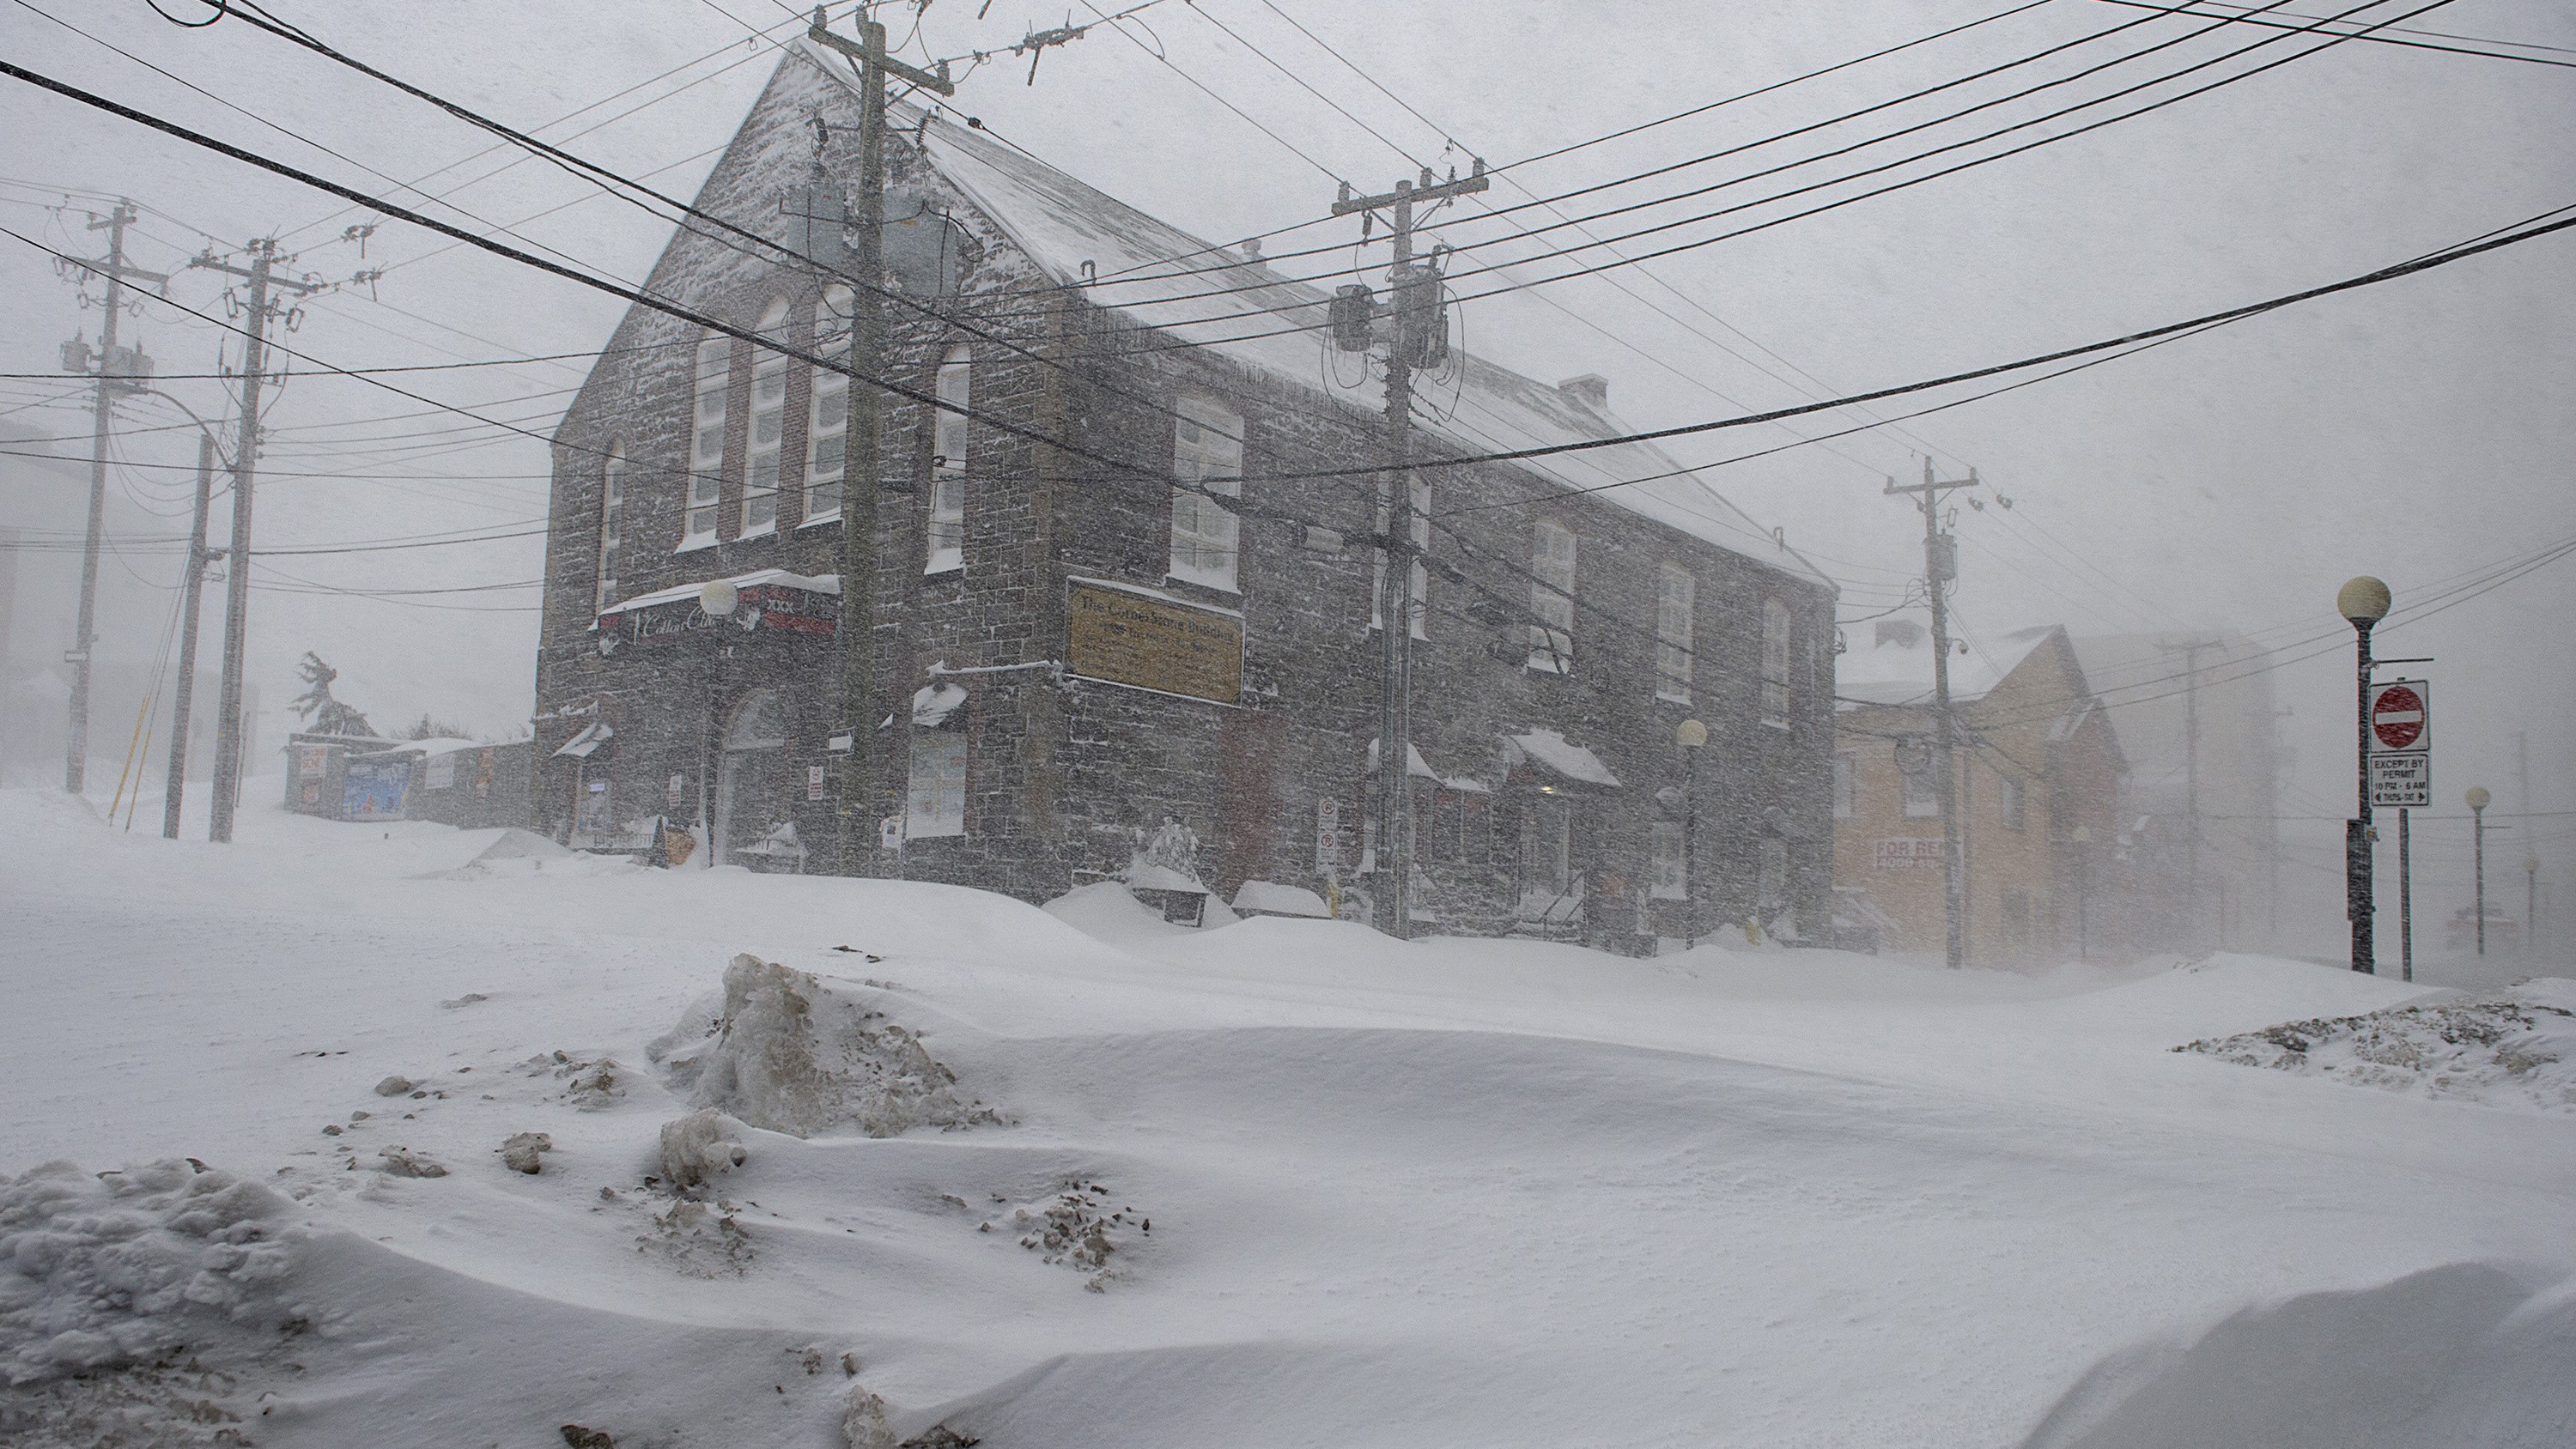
[(612, 509), (936, 803), (768, 428), (947, 528), (1547, 866), (1922, 786), (1207, 451), (1419, 577), (827, 430), (1552, 597), (1775, 663), (2008, 802), (1844, 767), (707, 442), (1675, 595)]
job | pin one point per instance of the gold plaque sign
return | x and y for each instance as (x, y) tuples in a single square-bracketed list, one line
[(1125, 637)]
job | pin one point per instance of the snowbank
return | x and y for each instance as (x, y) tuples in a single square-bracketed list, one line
[(2516, 1046), (790, 1054), (114, 1268)]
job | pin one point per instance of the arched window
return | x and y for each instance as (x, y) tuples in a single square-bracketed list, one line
[(1775, 663), (946, 540), (827, 429), (612, 506), (1552, 597), (768, 428), (707, 441)]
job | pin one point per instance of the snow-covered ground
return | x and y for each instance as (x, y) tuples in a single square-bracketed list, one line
[(1453, 1192)]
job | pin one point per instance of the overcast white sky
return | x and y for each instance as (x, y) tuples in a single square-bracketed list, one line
[(2420, 430)]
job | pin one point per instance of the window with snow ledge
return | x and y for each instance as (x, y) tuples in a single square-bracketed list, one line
[(1207, 468), (1775, 663), (707, 442), (827, 426), (1676, 594), (944, 541), (1552, 597), (935, 805), (768, 434)]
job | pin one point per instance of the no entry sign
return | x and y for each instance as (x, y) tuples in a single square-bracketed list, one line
[(2401, 716)]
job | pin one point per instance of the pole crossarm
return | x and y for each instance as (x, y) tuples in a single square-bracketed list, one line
[(1424, 190), (871, 52)]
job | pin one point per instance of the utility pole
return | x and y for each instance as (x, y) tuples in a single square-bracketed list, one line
[(2190, 650), (1940, 565), (111, 367), (859, 468), (186, 695), (2405, 898), (255, 319), (2530, 854), (1417, 339)]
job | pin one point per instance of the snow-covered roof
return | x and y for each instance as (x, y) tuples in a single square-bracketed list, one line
[(1549, 748), (1155, 274), (1420, 768), (592, 736), (811, 583), (1895, 672)]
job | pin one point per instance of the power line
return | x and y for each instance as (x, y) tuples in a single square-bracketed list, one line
[(2188, 8)]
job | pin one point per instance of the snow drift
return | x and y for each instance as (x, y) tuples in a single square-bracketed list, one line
[(114, 1268), (790, 1054), (2513, 1046)]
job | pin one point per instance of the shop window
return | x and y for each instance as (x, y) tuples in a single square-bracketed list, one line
[(1552, 597), (946, 533), (707, 441), (612, 527), (1676, 594), (936, 802), (1670, 852), (768, 429), (1207, 458), (827, 428)]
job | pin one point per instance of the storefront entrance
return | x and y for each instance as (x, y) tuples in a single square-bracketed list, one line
[(750, 782)]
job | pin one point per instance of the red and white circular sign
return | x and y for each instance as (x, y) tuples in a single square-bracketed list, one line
[(2397, 717)]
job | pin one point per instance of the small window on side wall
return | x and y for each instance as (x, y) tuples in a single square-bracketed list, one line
[(945, 534)]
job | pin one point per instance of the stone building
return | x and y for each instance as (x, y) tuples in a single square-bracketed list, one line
[(1107, 636), (2036, 777)]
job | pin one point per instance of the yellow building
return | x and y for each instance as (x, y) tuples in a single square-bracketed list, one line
[(2036, 771)]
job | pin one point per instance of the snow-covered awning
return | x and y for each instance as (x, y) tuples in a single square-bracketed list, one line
[(1570, 763), (592, 736), (1420, 768), (933, 703), (764, 599)]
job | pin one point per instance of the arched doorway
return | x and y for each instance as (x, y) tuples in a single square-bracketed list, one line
[(750, 798)]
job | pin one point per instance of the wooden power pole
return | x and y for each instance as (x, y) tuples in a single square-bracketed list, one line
[(859, 469), (1940, 565), (1415, 339)]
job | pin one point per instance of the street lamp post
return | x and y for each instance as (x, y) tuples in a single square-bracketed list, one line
[(2478, 798), (2082, 839), (2364, 602), (1691, 735)]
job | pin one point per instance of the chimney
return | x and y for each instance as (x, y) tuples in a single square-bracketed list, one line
[(1591, 389), (1251, 249)]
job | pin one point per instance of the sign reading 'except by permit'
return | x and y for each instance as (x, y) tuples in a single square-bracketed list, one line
[(1124, 637), (2402, 780)]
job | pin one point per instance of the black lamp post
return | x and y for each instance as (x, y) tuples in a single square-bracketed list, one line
[(2363, 601), (2478, 798)]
